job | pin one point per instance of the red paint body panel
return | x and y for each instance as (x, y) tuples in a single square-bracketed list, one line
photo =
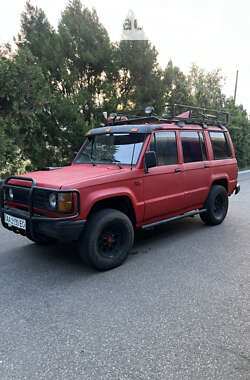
[(72, 176), (163, 192), (197, 183)]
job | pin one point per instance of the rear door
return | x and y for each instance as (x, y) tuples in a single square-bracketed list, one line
[(196, 168), (163, 184)]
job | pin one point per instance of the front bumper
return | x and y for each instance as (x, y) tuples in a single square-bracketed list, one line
[(62, 228), (63, 231), (37, 226)]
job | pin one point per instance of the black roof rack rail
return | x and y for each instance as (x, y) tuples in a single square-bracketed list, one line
[(175, 113), (197, 115)]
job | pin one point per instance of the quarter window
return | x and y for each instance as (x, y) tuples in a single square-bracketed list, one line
[(220, 145), (193, 146), (164, 145)]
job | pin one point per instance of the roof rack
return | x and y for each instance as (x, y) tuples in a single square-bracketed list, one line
[(174, 113)]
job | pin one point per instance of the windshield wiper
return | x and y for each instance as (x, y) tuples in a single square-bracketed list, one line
[(112, 160)]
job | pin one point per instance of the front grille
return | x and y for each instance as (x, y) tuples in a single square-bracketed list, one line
[(21, 196), (41, 199)]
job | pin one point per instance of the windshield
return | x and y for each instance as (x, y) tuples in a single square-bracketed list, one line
[(115, 148)]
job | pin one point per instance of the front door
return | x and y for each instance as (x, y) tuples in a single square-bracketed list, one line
[(163, 184)]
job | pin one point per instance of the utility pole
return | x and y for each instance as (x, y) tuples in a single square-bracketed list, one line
[(236, 84)]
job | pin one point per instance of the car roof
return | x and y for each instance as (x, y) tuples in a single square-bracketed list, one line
[(149, 128)]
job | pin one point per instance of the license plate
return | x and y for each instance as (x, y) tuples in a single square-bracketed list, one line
[(12, 221)]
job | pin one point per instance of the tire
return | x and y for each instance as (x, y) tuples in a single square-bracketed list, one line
[(106, 240), (216, 205)]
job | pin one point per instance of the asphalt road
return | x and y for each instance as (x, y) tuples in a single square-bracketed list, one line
[(177, 309)]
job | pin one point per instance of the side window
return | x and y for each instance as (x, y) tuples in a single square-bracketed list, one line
[(164, 145), (220, 145), (193, 146)]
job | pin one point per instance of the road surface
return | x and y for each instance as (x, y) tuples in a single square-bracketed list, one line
[(179, 307)]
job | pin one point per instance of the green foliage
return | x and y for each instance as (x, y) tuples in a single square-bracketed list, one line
[(57, 84), (240, 132), (140, 76), (85, 46), (24, 96), (41, 39), (206, 88), (176, 86)]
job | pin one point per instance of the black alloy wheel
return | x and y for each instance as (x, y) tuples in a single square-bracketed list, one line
[(107, 239), (216, 206)]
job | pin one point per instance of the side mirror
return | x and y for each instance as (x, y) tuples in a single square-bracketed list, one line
[(150, 160), (75, 154)]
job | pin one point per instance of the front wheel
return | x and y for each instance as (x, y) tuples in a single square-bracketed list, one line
[(216, 206), (107, 239)]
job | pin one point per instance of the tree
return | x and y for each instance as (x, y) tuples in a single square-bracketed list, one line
[(42, 40), (176, 86), (239, 127), (206, 88), (24, 97), (140, 82), (57, 83), (10, 158), (75, 65), (87, 56)]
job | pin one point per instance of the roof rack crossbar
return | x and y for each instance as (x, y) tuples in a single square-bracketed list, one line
[(197, 115)]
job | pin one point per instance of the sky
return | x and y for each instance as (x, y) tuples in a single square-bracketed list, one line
[(212, 34)]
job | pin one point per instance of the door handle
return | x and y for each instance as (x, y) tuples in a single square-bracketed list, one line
[(206, 166), (177, 170)]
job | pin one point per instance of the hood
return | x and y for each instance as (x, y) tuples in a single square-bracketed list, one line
[(72, 175)]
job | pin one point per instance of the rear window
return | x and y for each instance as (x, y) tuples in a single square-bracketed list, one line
[(193, 146), (220, 145)]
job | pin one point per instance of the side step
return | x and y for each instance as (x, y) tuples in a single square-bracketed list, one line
[(190, 213)]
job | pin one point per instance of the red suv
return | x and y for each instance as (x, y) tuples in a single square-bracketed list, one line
[(135, 172)]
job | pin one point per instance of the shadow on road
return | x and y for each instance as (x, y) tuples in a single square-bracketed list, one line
[(169, 231), (63, 258)]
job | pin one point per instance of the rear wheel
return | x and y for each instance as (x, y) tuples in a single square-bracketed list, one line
[(216, 205), (107, 239)]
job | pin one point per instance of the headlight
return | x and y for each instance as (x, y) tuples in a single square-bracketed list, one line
[(65, 202), (53, 200)]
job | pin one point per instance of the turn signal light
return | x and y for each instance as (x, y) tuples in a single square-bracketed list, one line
[(65, 202)]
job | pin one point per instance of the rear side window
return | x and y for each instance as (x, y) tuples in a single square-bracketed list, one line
[(164, 145), (220, 145), (193, 146)]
